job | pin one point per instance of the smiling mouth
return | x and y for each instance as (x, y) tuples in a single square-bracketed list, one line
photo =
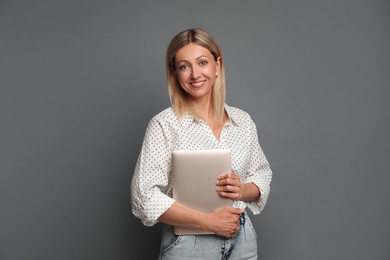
[(197, 84)]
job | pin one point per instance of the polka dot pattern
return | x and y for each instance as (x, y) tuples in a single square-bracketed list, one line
[(151, 188)]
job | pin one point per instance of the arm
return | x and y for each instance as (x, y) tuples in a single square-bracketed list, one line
[(150, 181), (150, 185), (230, 186), (223, 222), (254, 185)]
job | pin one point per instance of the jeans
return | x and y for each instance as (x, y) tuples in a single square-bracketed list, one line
[(209, 247)]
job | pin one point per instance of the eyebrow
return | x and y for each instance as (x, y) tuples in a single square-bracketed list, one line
[(201, 56)]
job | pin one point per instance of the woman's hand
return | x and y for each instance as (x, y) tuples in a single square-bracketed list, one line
[(229, 186), (224, 221)]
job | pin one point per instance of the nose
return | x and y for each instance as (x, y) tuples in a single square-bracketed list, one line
[(195, 72)]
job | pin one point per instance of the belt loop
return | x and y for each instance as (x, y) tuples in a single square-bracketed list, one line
[(242, 219)]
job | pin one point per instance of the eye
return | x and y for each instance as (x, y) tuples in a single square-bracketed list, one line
[(184, 67), (203, 62)]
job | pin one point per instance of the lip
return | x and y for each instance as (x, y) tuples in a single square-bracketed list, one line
[(198, 84)]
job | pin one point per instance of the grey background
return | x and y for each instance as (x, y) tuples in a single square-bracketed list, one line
[(80, 80)]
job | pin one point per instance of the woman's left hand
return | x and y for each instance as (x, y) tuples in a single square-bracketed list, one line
[(229, 186)]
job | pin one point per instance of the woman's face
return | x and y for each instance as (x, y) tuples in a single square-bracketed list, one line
[(196, 71)]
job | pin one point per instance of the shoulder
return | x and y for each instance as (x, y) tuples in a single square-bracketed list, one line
[(162, 120), (167, 116), (238, 115)]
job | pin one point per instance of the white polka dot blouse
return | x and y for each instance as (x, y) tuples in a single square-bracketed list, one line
[(151, 188)]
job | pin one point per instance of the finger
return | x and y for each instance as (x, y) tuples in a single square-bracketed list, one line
[(238, 211), (238, 228), (228, 175), (232, 176), (229, 188), (234, 210), (228, 195), (231, 182), (234, 232)]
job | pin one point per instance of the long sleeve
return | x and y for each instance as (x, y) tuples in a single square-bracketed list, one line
[(259, 171), (150, 182), (151, 186)]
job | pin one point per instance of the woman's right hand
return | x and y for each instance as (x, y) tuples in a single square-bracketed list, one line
[(224, 221)]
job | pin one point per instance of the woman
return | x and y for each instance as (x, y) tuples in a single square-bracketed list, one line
[(200, 119)]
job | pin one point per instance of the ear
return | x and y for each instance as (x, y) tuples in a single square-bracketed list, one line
[(218, 65)]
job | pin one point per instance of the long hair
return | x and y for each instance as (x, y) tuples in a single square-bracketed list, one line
[(177, 95)]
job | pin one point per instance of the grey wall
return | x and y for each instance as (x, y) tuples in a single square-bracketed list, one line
[(79, 80)]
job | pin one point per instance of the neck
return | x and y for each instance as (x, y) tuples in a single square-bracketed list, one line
[(203, 109)]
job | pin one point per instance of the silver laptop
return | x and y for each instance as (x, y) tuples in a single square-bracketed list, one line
[(194, 173)]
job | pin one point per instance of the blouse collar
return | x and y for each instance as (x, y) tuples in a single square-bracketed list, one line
[(188, 118)]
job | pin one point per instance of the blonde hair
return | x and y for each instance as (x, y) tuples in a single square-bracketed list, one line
[(177, 95)]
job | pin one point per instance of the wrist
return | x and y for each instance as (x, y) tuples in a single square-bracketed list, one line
[(249, 192), (202, 221), (242, 192)]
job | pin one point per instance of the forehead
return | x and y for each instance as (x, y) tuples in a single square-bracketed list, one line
[(192, 51)]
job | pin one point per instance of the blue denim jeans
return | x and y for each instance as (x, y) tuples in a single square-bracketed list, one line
[(242, 246)]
